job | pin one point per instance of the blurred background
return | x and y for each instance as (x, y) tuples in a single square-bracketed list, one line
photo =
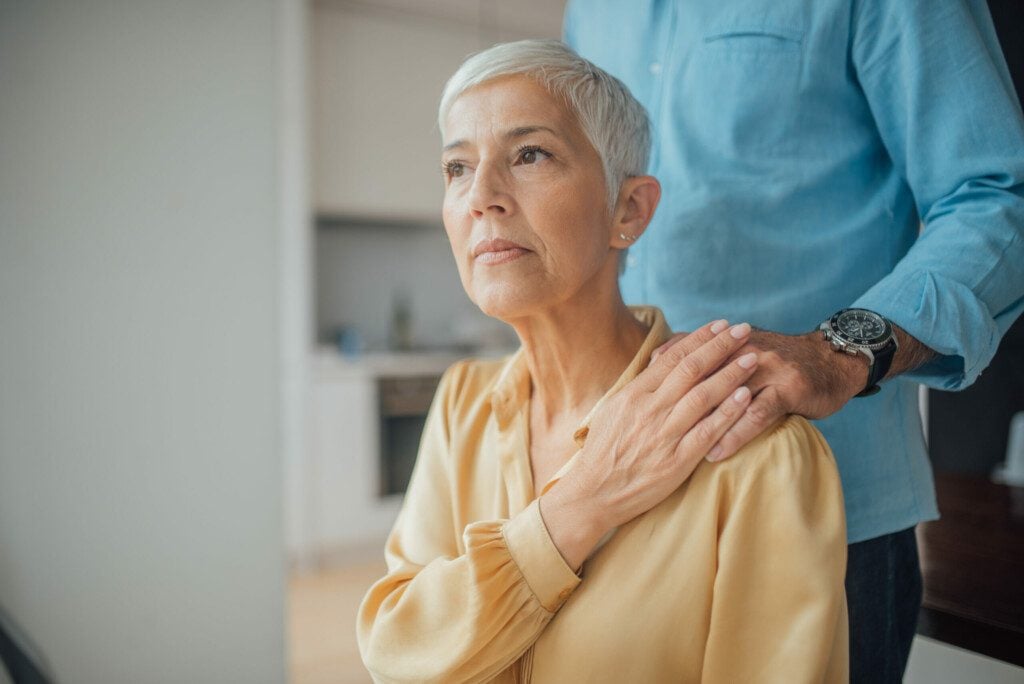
[(226, 299)]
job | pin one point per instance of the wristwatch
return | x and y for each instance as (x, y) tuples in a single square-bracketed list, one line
[(859, 331)]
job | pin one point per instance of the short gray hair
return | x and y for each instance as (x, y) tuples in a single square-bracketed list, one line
[(612, 119)]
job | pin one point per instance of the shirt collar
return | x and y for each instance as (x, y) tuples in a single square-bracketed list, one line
[(512, 389)]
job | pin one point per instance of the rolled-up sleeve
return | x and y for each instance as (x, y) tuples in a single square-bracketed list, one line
[(445, 615), (937, 84)]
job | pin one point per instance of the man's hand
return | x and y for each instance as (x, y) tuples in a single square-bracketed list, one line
[(796, 374), (801, 374)]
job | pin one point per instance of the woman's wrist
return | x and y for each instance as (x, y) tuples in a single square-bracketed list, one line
[(574, 524)]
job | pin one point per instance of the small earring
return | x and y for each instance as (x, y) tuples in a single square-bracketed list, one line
[(628, 238)]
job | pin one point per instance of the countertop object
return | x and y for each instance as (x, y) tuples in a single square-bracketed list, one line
[(328, 363), (972, 561)]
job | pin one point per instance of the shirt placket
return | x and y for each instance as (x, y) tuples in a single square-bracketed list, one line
[(513, 451)]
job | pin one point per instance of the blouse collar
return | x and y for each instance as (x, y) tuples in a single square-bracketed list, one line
[(512, 389)]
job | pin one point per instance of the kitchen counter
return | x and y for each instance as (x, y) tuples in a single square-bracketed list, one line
[(328, 363)]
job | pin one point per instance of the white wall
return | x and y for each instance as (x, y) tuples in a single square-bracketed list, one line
[(379, 68), (297, 328), (140, 336)]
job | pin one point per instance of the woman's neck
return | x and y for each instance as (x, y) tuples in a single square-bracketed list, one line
[(576, 352)]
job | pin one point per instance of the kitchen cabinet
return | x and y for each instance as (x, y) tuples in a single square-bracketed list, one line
[(342, 507)]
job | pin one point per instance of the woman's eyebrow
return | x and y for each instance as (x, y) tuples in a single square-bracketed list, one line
[(511, 134), (521, 131)]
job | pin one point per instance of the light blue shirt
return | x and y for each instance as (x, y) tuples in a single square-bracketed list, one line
[(800, 145)]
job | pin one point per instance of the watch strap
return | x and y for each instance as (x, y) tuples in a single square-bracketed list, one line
[(878, 368)]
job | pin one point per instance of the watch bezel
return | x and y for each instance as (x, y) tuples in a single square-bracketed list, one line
[(872, 343)]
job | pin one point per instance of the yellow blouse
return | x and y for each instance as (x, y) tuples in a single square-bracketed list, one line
[(736, 577)]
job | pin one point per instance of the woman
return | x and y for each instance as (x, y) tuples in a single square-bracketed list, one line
[(562, 524)]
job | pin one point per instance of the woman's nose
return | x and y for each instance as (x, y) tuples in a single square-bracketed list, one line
[(488, 194)]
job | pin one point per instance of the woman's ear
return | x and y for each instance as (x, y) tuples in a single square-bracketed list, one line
[(638, 198)]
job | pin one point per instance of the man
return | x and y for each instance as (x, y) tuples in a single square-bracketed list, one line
[(816, 156)]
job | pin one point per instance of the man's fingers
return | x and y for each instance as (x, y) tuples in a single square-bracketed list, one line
[(764, 411)]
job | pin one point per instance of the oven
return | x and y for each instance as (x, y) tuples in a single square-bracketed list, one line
[(403, 405)]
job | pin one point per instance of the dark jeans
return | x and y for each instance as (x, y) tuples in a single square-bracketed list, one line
[(883, 593)]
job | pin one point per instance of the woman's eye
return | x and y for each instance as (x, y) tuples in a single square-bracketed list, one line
[(532, 155), (453, 169)]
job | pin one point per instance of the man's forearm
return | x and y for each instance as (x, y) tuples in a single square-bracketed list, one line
[(911, 355), (804, 375)]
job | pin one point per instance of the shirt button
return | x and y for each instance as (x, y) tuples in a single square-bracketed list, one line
[(630, 261), (655, 68)]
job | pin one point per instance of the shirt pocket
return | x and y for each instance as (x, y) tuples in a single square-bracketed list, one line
[(740, 91)]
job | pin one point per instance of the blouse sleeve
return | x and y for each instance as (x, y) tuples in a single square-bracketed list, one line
[(779, 607), (442, 614)]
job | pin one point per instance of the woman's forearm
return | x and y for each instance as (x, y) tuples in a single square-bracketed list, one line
[(574, 524), (469, 617)]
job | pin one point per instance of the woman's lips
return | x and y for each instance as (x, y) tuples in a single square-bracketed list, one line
[(501, 256), (497, 251)]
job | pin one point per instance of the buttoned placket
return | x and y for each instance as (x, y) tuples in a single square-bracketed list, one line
[(509, 408)]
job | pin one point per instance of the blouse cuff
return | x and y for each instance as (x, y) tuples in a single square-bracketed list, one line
[(546, 572)]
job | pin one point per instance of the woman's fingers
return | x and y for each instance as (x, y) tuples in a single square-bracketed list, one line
[(694, 339), (689, 371), (668, 355), (700, 439), (705, 397), (767, 408)]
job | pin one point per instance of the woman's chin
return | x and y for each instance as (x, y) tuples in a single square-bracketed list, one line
[(506, 303), (502, 311)]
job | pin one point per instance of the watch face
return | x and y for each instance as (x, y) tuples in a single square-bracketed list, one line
[(861, 327)]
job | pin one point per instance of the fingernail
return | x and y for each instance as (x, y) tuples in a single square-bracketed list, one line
[(715, 453), (741, 395), (740, 331), (719, 326), (747, 360)]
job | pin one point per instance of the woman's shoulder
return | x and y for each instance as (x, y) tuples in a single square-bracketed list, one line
[(793, 452), (794, 432), (470, 382), (784, 479), (481, 371), (475, 375)]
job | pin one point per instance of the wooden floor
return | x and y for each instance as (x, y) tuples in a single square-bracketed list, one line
[(321, 624)]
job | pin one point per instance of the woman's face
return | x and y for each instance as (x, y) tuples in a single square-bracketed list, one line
[(525, 203)]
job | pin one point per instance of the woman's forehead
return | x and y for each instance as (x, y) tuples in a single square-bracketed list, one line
[(504, 107)]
